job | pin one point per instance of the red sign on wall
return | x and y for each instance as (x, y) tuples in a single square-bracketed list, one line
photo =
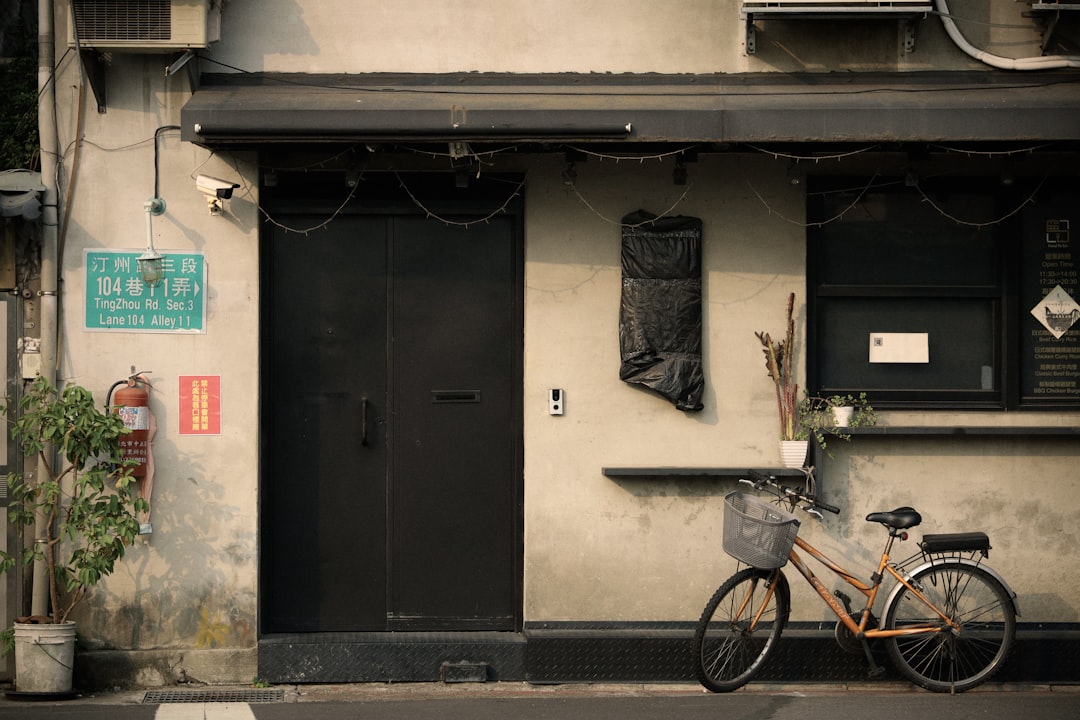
[(200, 404)]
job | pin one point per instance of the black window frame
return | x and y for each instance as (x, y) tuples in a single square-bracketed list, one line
[(1007, 317)]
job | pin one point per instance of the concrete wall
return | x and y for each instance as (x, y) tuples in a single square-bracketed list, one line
[(605, 36), (185, 600)]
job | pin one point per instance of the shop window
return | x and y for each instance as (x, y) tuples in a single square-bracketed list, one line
[(943, 293)]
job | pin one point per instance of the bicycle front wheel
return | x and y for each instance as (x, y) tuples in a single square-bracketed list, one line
[(739, 628), (952, 660)]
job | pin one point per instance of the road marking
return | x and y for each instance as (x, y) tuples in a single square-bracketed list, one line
[(204, 711)]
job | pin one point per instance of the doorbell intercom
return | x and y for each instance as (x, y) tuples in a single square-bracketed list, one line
[(556, 401)]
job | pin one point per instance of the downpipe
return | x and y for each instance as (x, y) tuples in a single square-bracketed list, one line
[(39, 603)]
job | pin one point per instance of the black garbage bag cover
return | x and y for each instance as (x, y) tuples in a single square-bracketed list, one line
[(660, 309)]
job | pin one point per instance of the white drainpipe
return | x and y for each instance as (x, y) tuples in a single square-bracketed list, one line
[(49, 237), (1042, 62)]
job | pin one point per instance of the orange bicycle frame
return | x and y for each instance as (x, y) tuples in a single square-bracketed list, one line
[(868, 591)]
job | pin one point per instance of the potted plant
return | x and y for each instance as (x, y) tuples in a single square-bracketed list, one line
[(821, 417), (780, 366), (89, 505)]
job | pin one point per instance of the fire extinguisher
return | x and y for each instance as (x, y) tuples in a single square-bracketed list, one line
[(133, 405)]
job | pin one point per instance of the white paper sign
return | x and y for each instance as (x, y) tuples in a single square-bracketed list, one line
[(899, 347)]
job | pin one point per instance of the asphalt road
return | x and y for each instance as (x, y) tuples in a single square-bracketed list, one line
[(593, 702)]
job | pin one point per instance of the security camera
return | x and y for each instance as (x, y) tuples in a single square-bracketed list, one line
[(215, 188)]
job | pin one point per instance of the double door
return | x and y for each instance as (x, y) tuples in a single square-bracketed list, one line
[(391, 486)]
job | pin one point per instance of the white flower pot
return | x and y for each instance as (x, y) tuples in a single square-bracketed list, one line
[(842, 415), (793, 453)]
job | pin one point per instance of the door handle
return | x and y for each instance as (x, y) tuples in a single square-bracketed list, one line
[(363, 421)]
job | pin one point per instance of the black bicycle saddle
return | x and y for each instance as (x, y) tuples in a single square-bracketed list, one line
[(899, 519)]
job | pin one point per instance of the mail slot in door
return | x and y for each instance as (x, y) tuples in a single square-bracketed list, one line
[(442, 397)]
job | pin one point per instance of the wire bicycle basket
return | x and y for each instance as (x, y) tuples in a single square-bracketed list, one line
[(756, 532)]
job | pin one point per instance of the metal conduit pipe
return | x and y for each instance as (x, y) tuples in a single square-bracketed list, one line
[(1042, 62)]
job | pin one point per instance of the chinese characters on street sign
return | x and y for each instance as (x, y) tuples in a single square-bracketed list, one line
[(200, 404), (118, 300)]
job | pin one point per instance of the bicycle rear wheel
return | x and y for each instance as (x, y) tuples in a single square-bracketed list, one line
[(950, 661), (739, 628)]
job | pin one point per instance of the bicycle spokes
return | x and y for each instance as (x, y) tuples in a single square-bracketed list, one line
[(963, 651), (739, 627)]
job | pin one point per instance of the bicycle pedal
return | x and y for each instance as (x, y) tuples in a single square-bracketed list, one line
[(844, 599)]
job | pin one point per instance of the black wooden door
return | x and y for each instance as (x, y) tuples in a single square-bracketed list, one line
[(391, 403)]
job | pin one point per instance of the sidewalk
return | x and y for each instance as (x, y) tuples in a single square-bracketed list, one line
[(399, 692)]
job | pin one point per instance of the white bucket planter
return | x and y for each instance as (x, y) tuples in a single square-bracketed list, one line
[(793, 452), (44, 656), (842, 415)]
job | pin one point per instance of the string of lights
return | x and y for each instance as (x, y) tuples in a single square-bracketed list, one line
[(569, 179), (819, 223), (631, 158), (1029, 199), (776, 154), (461, 223), (317, 226), (597, 213)]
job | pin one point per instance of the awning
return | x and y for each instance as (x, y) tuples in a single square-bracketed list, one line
[(829, 107)]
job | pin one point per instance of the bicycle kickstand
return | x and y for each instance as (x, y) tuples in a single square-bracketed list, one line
[(876, 670)]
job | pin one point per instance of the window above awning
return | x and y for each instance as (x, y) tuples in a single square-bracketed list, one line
[(981, 106)]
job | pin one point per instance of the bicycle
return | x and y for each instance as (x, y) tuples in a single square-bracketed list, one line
[(949, 623)]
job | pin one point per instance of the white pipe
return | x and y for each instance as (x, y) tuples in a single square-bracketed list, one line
[(1042, 62), (39, 601)]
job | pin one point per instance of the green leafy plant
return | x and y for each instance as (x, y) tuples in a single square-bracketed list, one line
[(18, 121), (780, 366), (88, 497), (815, 414)]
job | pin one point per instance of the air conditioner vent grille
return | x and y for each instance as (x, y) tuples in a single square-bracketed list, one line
[(131, 20)]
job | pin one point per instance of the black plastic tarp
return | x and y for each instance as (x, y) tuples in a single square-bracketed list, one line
[(660, 311)]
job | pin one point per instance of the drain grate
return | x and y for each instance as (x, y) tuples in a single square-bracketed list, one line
[(160, 697)]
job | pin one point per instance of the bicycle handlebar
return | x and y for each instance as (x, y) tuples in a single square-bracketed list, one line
[(761, 480)]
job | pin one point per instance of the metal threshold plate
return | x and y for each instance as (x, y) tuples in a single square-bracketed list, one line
[(159, 697)]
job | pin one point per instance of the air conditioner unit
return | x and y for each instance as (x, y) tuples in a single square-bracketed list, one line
[(144, 26)]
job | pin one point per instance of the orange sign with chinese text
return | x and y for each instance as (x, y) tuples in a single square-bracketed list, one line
[(200, 404)]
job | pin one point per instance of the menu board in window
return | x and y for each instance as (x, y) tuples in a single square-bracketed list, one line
[(1049, 292)]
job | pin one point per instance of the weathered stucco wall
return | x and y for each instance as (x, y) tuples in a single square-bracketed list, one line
[(186, 594), (603, 36), (595, 548), (599, 548)]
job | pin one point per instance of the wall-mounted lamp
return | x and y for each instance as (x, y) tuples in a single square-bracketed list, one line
[(216, 190), (152, 263)]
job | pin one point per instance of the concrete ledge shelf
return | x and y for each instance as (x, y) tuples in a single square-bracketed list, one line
[(697, 472), (975, 430)]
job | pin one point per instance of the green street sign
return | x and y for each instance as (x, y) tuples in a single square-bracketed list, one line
[(118, 300)]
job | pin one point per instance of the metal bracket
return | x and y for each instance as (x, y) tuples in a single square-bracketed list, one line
[(189, 61), (751, 35), (93, 64), (909, 34)]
